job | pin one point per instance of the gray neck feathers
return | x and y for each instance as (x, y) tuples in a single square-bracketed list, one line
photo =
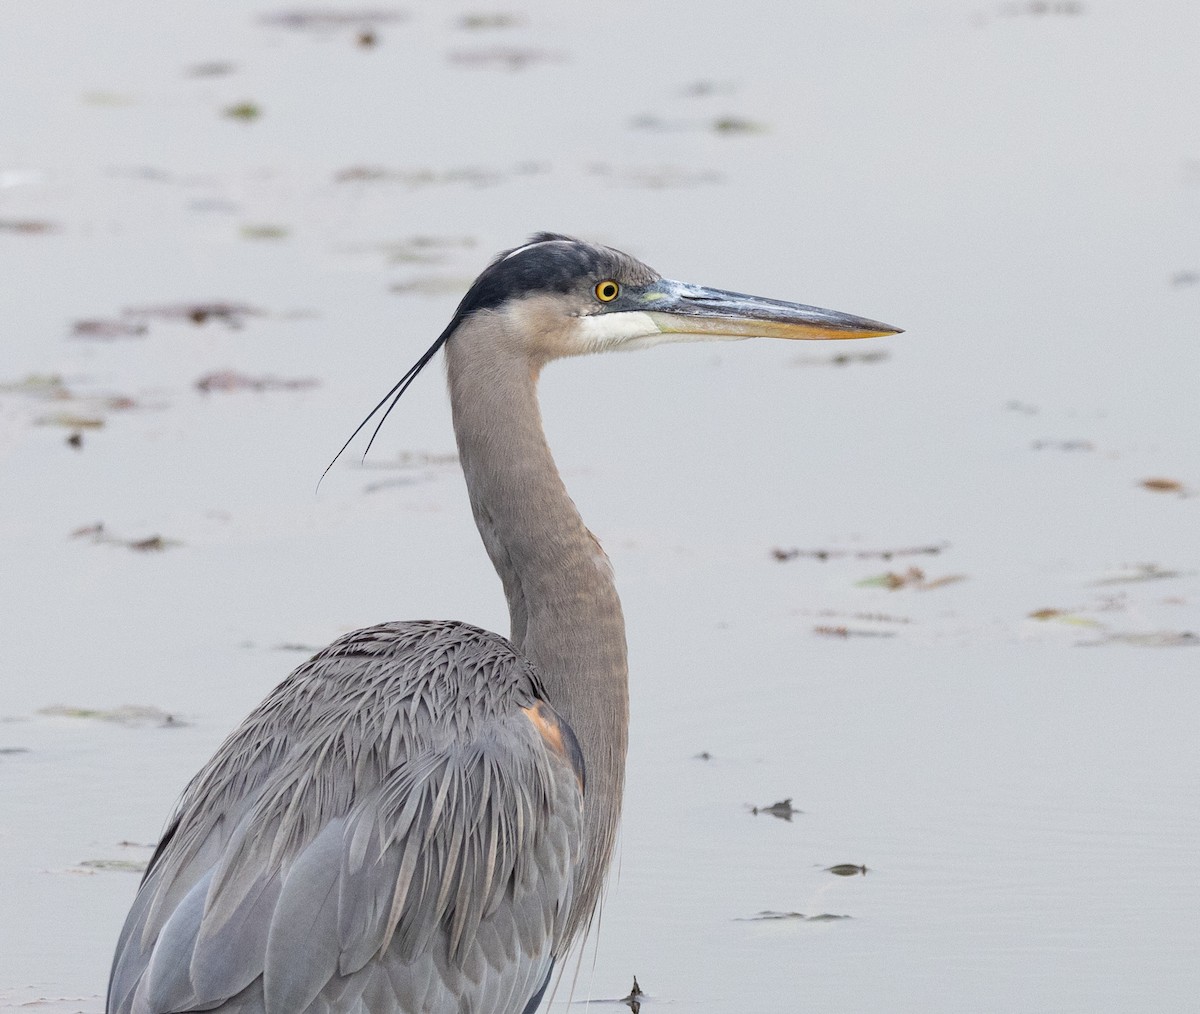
[(566, 617)]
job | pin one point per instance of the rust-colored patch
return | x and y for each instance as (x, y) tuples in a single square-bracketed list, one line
[(557, 736)]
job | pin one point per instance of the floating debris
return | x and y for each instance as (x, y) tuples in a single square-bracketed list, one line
[(1021, 406), (847, 632), (470, 175), (97, 534), (847, 870), (115, 865), (70, 420), (634, 1000), (1064, 616), (705, 88), (783, 810), (307, 649), (1161, 485), (330, 19), (131, 715), (27, 226), (1181, 278), (265, 231), (49, 386), (738, 125), (784, 555), (510, 58), (230, 380), (703, 755), (843, 358), (109, 330), (1138, 572), (9, 751), (232, 315), (85, 412), (1063, 445), (247, 112), (366, 40), (769, 916), (491, 20), (914, 578), (1041, 8), (866, 617), (212, 68), (1153, 639)]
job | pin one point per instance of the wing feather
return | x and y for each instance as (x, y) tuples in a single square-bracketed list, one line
[(387, 831)]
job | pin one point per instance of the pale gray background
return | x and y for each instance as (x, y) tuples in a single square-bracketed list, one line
[(1017, 184)]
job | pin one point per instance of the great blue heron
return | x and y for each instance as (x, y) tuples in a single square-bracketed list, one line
[(420, 817)]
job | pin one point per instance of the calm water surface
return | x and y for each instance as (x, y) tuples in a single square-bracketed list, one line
[(1016, 184)]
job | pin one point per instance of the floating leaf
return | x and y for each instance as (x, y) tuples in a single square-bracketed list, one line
[(1063, 445), (784, 555), (769, 916), (70, 421), (1161, 485), (325, 19), (1062, 616), (213, 68), (26, 226), (132, 715), (107, 330), (154, 544), (231, 380), (115, 865), (232, 315), (847, 870), (1142, 572), (914, 577), (737, 125), (843, 358), (827, 631), (99, 534), (264, 231), (247, 112), (491, 20), (1152, 639)]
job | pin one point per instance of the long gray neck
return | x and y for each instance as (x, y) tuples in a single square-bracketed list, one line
[(566, 617)]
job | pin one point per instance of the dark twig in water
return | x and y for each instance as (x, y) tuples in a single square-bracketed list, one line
[(634, 1000), (784, 555), (783, 809)]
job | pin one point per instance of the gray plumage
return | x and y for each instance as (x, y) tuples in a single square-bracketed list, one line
[(420, 817)]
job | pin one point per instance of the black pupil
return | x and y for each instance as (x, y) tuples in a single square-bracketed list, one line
[(608, 290)]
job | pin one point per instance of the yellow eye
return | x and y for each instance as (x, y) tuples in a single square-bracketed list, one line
[(606, 291)]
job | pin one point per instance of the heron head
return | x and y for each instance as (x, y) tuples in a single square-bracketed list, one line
[(556, 296), (562, 297)]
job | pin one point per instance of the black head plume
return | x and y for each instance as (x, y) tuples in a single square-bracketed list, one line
[(500, 281)]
